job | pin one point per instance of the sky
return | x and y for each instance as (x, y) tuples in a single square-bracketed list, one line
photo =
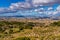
[(29, 7), (6, 3)]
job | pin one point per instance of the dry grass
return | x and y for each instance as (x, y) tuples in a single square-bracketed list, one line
[(36, 33)]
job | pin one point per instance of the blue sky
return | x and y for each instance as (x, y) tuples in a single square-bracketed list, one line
[(6, 3), (29, 7)]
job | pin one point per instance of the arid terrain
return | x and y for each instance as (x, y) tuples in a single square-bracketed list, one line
[(29, 29)]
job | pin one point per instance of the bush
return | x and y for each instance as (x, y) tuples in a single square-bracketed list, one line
[(2, 29), (29, 25), (23, 38), (10, 31), (55, 23)]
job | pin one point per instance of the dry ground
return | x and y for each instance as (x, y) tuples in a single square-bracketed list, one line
[(37, 33)]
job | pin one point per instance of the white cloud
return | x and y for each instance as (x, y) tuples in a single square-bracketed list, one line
[(39, 10), (36, 10), (1, 9), (50, 8), (21, 5), (45, 2), (31, 4), (58, 8), (51, 13), (41, 1)]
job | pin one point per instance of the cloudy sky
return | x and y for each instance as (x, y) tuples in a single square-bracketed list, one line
[(29, 7)]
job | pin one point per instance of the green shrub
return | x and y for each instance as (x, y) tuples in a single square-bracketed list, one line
[(23, 38), (10, 31), (29, 25), (55, 23), (2, 29)]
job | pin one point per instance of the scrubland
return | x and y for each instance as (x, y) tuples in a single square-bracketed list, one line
[(30, 30)]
